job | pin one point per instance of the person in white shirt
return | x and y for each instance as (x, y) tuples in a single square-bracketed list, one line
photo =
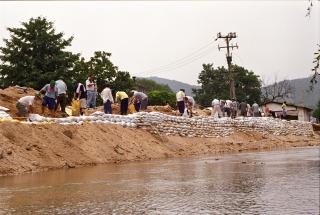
[(62, 95), (139, 99), (189, 102), (228, 107), (107, 99), (91, 92), (25, 104), (216, 110), (180, 101)]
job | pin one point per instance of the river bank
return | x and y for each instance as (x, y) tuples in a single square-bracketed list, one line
[(39, 147)]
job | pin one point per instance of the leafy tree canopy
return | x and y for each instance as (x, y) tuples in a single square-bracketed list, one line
[(35, 54), (316, 112), (158, 97), (215, 84)]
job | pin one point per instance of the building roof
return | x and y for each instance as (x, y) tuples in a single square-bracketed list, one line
[(275, 102)]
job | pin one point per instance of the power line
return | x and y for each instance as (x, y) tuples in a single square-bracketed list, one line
[(180, 60), (182, 64)]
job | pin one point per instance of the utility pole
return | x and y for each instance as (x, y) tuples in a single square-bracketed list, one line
[(227, 38)]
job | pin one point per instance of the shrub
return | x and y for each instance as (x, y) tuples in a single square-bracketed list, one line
[(157, 97)]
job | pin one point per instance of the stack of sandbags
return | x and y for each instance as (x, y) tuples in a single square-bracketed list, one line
[(200, 126), (4, 116)]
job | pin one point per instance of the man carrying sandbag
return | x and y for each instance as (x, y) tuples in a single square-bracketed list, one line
[(49, 99), (140, 98), (80, 96), (123, 98), (189, 103), (62, 95), (25, 105)]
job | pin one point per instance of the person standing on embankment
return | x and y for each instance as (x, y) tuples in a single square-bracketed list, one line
[(284, 110), (255, 109), (180, 101), (243, 109), (26, 103), (107, 99), (123, 98), (216, 108), (80, 94), (49, 100), (62, 95), (91, 92)]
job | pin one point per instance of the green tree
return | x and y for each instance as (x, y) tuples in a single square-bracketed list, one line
[(158, 97), (101, 67), (35, 54), (214, 84), (316, 112), (159, 94), (122, 81)]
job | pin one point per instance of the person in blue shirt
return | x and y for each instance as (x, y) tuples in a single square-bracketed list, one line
[(49, 99)]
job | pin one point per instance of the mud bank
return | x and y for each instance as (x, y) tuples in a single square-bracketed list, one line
[(32, 148)]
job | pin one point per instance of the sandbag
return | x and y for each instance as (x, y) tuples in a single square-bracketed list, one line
[(75, 107), (131, 108)]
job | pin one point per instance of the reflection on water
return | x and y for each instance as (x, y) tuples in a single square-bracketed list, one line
[(279, 182)]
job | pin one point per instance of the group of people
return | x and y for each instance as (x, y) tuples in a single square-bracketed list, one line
[(55, 96), (185, 104), (220, 108), (232, 108)]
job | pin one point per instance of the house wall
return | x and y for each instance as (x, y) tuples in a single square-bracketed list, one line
[(303, 114), (277, 107)]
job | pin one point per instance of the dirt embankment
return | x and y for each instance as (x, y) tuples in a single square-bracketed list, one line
[(30, 148)]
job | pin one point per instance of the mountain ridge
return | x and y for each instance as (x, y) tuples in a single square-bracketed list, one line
[(301, 95)]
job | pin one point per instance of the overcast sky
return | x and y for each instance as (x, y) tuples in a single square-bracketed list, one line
[(173, 39)]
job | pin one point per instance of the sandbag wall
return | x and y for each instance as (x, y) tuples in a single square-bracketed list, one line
[(212, 127), (155, 122)]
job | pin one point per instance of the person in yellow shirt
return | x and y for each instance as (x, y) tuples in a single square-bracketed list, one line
[(123, 98), (284, 110)]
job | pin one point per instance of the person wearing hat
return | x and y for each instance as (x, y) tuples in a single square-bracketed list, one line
[(49, 99), (25, 105)]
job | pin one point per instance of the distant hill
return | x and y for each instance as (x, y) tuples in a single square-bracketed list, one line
[(175, 85), (301, 95)]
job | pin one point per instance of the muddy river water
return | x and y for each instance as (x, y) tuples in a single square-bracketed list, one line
[(275, 182)]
